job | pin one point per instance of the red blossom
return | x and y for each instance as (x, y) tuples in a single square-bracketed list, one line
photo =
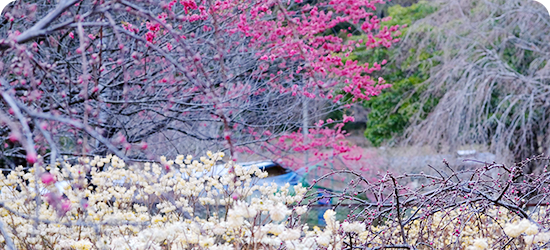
[(32, 157), (47, 178), (226, 71)]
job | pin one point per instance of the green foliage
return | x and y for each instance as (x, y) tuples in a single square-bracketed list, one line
[(391, 111), (406, 15)]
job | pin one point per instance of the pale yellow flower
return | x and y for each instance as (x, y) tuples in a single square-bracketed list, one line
[(355, 226), (301, 210), (279, 212), (479, 244)]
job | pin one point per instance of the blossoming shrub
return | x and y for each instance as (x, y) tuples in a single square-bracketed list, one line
[(174, 205), (184, 204), (468, 229), (491, 206)]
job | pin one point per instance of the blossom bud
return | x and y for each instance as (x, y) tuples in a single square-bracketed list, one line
[(32, 158), (47, 178)]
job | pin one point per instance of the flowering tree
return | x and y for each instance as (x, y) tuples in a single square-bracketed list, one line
[(140, 78)]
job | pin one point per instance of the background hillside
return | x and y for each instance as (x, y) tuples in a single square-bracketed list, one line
[(466, 74)]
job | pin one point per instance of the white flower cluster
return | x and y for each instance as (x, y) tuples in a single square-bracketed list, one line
[(193, 204), (479, 244), (177, 204), (531, 230), (523, 226), (458, 226)]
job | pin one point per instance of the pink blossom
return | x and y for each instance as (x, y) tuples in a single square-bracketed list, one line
[(47, 178), (32, 157), (348, 119), (65, 207), (14, 136)]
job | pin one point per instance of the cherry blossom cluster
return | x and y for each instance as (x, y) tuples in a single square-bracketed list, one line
[(140, 78)]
